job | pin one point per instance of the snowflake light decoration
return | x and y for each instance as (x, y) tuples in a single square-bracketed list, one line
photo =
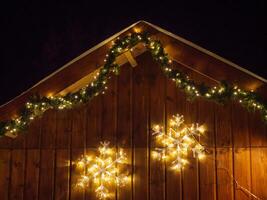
[(104, 171), (180, 140)]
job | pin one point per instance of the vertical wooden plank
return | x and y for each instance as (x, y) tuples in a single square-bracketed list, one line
[(32, 174), (5, 160), (79, 120), (207, 166), (173, 179), (93, 136), (224, 152), (258, 132), (76, 192), (78, 141), (17, 176), (124, 124), (93, 133), (47, 156), (109, 118), (62, 154), (140, 131), (62, 174), (241, 138), (48, 130), (20, 141), (223, 126), (259, 172), (181, 109), (17, 167), (109, 112), (190, 173), (64, 128), (46, 181), (6, 142), (157, 116), (225, 187), (33, 137), (90, 193)]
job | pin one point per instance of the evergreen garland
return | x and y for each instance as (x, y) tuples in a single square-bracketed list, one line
[(224, 92)]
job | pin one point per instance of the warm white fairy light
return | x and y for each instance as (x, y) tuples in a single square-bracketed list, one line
[(180, 140), (104, 171)]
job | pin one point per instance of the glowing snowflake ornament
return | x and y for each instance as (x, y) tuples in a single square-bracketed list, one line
[(180, 140), (104, 171)]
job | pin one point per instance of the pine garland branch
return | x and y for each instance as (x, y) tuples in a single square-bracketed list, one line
[(221, 93)]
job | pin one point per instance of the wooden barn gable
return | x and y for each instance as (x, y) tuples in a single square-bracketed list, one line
[(37, 164)]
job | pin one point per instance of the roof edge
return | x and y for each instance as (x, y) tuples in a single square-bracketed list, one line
[(187, 42), (75, 59), (90, 50)]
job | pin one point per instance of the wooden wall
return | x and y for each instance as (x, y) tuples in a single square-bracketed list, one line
[(37, 164)]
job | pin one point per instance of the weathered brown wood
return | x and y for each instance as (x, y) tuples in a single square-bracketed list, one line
[(19, 143), (32, 174), (76, 192), (140, 132), (78, 142), (135, 100), (62, 160), (241, 138), (173, 179), (207, 166), (191, 175), (33, 135), (224, 152), (223, 125), (47, 155), (157, 116), (258, 135), (62, 174), (80, 83), (48, 130), (224, 157), (93, 136), (17, 174), (108, 112), (109, 118), (63, 129), (93, 133), (124, 125), (46, 180), (258, 131), (90, 190), (32, 163), (5, 160), (258, 172), (6, 142), (78, 135), (130, 58)]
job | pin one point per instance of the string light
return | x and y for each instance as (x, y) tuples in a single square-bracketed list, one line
[(104, 171), (37, 105), (178, 142)]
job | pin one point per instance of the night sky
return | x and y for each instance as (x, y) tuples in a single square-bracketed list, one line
[(38, 38)]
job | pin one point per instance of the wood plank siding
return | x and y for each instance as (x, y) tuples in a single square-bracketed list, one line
[(38, 163)]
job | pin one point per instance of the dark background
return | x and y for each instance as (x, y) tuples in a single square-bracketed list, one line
[(38, 38)]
